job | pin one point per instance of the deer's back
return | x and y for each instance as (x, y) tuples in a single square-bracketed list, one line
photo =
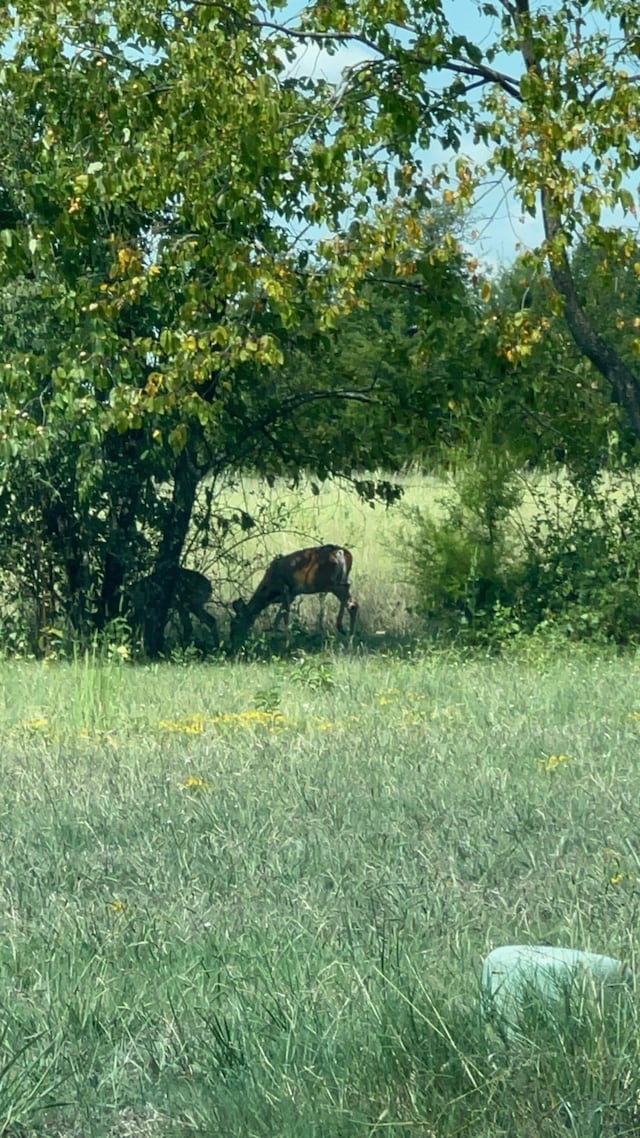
[(312, 570)]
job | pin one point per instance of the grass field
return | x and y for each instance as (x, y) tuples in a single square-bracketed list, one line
[(253, 899)]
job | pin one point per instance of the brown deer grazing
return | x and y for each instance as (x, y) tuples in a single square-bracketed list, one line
[(322, 569), (192, 592)]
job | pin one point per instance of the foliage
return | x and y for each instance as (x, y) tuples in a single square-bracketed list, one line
[(564, 402), (157, 288), (580, 572), (198, 244), (461, 562), (569, 570), (548, 95), (438, 387)]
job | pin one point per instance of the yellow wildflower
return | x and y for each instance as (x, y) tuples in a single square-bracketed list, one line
[(251, 717), (190, 725), (553, 761), (195, 782), (196, 723)]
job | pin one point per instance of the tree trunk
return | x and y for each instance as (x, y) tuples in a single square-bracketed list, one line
[(64, 534), (604, 357), (123, 453), (165, 573), (624, 383)]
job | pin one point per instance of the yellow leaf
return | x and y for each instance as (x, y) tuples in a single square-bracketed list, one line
[(154, 381)]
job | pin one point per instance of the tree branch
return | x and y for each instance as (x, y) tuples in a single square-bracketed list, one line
[(478, 71), (284, 409), (295, 401), (485, 75), (624, 383), (603, 356), (601, 87)]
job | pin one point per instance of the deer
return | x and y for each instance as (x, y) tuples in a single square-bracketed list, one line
[(321, 569), (192, 593)]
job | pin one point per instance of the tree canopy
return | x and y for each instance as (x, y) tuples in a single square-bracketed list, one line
[(168, 199), (548, 92)]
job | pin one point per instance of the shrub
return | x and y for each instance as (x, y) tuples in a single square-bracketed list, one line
[(461, 562), (581, 562), (574, 566)]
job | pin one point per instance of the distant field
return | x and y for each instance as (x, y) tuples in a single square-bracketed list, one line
[(253, 899)]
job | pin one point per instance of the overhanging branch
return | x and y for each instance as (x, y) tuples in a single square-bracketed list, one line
[(480, 71), (485, 75), (263, 425), (294, 402)]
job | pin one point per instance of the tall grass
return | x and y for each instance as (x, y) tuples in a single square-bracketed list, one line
[(254, 899)]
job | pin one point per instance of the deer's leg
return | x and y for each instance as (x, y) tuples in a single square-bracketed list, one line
[(240, 624), (284, 612), (342, 592), (186, 627)]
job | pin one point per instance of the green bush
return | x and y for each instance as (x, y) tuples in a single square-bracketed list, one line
[(461, 562), (573, 568), (581, 564)]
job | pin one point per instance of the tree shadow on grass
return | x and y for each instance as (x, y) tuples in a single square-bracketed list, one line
[(279, 644)]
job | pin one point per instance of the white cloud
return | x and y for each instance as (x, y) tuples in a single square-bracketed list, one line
[(316, 62)]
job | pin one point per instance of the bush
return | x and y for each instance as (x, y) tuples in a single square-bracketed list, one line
[(573, 567), (461, 563), (581, 563)]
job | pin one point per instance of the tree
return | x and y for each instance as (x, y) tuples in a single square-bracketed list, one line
[(551, 91), (183, 220), (433, 395), (160, 170), (565, 400)]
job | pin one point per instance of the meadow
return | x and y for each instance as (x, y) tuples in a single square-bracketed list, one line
[(253, 898)]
